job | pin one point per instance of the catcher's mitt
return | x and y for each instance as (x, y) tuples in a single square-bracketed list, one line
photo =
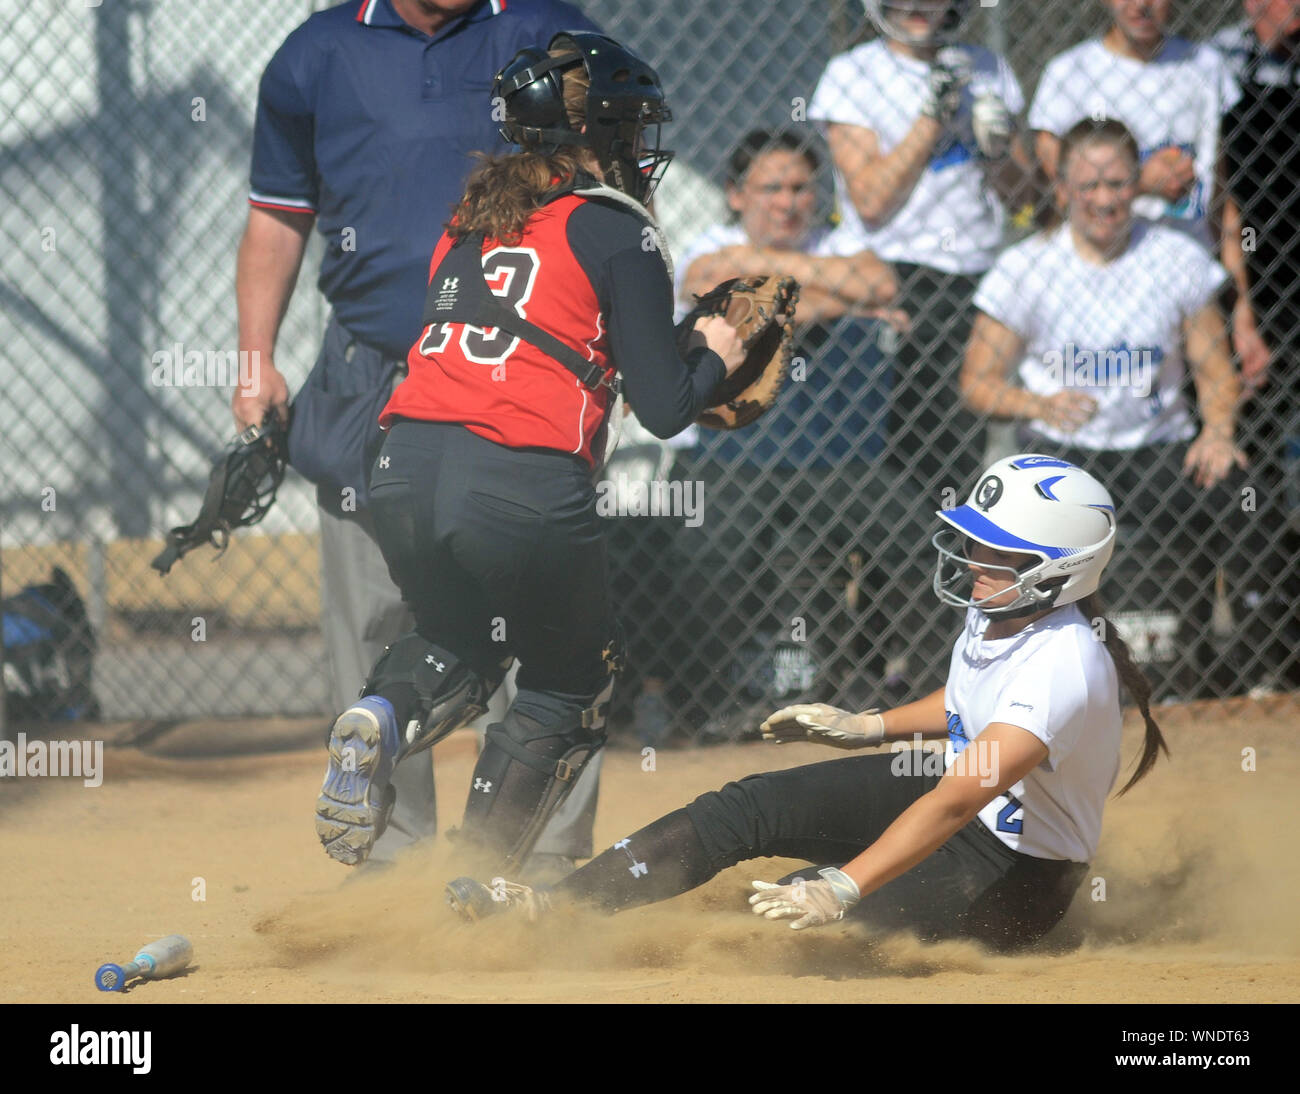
[(761, 309), (241, 489)]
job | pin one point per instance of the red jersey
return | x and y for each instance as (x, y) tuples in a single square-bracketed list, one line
[(498, 385)]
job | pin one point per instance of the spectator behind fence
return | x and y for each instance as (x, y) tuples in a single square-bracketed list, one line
[(1099, 314), (1261, 142), (771, 191), (790, 497), (367, 118), (922, 135), (1171, 94)]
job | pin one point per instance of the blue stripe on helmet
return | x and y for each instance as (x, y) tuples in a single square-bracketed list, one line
[(1045, 487), (1039, 461), (976, 524)]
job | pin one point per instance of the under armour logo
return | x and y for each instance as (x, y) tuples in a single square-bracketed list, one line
[(637, 869), (384, 461), (484, 785), (450, 284), (429, 659)]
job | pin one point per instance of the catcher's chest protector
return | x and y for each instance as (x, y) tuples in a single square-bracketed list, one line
[(504, 384)]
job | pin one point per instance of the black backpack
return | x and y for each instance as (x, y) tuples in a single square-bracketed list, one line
[(49, 652)]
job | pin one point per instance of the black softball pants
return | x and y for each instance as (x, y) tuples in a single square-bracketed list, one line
[(498, 552), (973, 886)]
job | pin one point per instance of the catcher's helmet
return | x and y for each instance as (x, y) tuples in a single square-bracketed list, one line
[(953, 14), (1035, 505), (624, 99)]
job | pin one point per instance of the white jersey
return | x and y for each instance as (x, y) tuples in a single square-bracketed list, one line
[(1113, 331), (1055, 680), (952, 220), (1176, 99), (821, 241)]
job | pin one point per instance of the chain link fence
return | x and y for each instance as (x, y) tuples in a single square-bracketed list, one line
[(788, 559)]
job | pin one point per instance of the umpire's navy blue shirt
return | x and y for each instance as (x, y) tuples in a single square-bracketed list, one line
[(369, 123)]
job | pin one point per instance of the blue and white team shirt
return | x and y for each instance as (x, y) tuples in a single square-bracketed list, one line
[(952, 220), (1176, 99), (1113, 332), (1055, 680)]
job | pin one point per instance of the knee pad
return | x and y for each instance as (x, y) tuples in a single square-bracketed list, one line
[(447, 692), (524, 773)]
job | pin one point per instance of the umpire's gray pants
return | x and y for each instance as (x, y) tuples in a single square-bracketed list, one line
[(361, 613)]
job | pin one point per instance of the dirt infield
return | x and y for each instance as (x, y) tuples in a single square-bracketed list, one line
[(1201, 880)]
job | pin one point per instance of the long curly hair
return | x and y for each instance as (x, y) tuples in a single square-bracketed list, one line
[(502, 192)]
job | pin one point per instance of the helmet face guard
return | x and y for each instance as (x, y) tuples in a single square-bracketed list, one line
[(883, 13), (1035, 505), (625, 105), (954, 579)]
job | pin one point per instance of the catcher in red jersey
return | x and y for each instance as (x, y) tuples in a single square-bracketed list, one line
[(549, 291)]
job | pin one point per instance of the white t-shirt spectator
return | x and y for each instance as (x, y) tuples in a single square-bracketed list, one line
[(1056, 681), (952, 220), (1176, 99), (821, 241), (1112, 331), (1235, 44)]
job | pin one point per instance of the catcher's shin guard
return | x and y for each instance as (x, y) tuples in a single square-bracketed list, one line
[(525, 772), (432, 691)]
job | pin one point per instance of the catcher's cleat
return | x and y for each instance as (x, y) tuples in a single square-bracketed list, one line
[(472, 900), (356, 798)]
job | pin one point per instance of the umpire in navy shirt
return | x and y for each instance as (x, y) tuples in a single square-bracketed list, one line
[(367, 119)]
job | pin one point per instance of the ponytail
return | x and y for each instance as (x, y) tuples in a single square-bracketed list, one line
[(1139, 687)]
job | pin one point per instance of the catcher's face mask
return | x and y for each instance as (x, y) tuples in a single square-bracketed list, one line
[(241, 490)]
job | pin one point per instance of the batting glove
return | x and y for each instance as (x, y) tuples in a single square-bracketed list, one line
[(993, 126), (825, 725), (808, 903), (943, 96)]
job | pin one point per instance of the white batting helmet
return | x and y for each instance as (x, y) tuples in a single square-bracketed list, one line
[(1034, 505), (952, 12)]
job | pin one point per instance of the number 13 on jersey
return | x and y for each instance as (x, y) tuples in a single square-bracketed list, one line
[(510, 273)]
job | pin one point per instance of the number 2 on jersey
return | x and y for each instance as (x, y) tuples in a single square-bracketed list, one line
[(1006, 823)]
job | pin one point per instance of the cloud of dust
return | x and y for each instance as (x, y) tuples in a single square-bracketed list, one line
[(1195, 865)]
